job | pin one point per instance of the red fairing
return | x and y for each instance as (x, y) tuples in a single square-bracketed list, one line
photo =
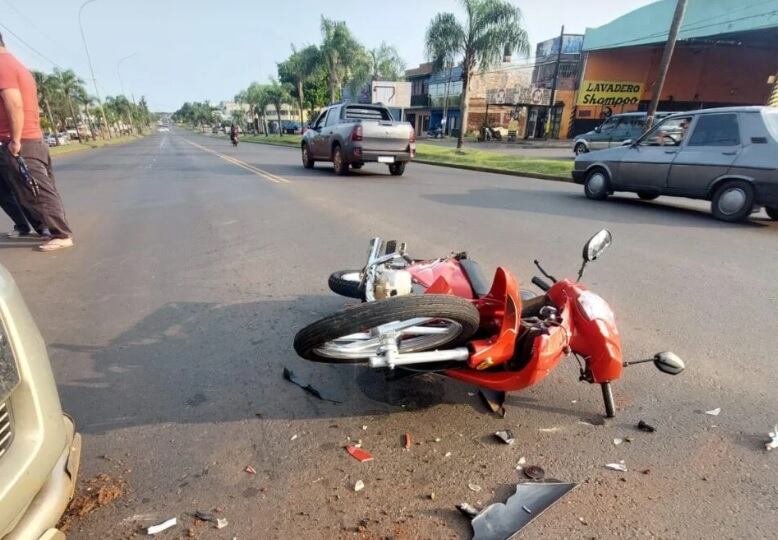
[(594, 331), (426, 274)]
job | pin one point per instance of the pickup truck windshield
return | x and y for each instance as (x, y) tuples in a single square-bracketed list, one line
[(367, 113)]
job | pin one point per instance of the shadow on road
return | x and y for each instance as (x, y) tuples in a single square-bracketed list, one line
[(201, 362), (621, 209)]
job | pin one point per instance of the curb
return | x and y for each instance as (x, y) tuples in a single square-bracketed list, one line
[(539, 176)]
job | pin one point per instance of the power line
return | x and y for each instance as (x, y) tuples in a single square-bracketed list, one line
[(33, 49)]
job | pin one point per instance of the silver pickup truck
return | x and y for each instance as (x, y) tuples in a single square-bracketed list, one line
[(355, 134)]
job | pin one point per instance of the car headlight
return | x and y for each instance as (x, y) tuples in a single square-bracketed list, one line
[(9, 372)]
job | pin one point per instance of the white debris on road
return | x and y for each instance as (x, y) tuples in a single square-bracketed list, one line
[(773, 443), (162, 526), (620, 466), (714, 412)]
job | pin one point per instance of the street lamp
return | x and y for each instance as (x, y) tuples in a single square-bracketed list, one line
[(91, 69)]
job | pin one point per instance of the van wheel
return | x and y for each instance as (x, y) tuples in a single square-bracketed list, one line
[(579, 149), (647, 195), (772, 211), (338, 164), (733, 201), (597, 185)]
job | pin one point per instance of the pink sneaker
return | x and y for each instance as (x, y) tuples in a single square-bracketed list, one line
[(56, 243)]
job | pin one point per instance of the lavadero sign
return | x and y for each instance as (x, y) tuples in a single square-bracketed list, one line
[(609, 93)]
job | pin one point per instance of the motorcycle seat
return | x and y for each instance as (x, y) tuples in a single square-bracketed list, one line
[(475, 275)]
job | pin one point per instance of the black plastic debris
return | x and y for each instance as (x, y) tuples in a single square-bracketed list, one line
[(648, 428), (501, 521), (467, 510), (493, 400), (533, 472), (202, 516), (505, 436), (292, 378)]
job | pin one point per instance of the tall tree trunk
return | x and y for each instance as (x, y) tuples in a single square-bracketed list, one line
[(89, 122), (463, 106), (75, 119), (300, 102), (51, 120), (280, 127)]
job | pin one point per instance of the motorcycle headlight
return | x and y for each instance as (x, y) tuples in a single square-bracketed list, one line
[(9, 373), (594, 307)]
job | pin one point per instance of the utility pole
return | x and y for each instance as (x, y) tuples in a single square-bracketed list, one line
[(121, 84), (556, 78), (91, 69), (664, 65), (445, 99)]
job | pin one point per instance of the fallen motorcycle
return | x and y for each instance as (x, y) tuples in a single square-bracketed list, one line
[(441, 315)]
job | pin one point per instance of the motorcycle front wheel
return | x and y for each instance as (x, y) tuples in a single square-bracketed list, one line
[(423, 322), (347, 283)]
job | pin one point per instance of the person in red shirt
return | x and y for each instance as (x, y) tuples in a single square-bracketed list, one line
[(31, 178)]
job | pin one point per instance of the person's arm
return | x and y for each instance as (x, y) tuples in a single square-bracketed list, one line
[(14, 110)]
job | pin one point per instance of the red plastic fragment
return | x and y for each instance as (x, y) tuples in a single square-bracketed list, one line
[(407, 441), (359, 454)]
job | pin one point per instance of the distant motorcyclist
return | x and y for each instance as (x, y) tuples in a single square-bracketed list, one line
[(234, 134)]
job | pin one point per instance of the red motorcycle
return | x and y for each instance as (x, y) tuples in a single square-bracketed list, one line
[(441, 315)]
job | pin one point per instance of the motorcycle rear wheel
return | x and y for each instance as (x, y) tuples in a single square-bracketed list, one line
[(347, 283), (426, 322)]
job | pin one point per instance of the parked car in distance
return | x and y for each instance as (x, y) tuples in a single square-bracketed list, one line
[(728, 156), (52, 139), (355, 134), (39, 446), (290, 127), (613, 131)]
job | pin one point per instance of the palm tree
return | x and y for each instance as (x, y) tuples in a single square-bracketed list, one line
[(278, 94), (298, 69), (86, 101), (342, 54), (257, 97), (47, 86), (493, 29), (70, 85)]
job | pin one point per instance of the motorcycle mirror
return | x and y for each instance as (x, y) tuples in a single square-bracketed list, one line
[(596, 245), (669, 362)]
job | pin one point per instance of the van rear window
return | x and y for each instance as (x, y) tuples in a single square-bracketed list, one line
[(356, 112)]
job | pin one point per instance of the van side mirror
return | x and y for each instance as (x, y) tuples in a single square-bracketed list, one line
[(597, 129), (628, 142)]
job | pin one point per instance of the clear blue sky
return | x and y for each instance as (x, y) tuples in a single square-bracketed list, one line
[(210, 49)]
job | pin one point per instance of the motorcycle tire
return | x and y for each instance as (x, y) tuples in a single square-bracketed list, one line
[(363, 317), (339, 283)]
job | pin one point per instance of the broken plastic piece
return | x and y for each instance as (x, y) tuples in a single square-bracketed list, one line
[(249, 469), (202, 516), (467, 510), (520, 464), (534, 472), (154, 529), (503, 520), (447, 454), (617, 441), (772, 444), (474, 487), (292, 378), (221, 523), (714, 412), (359, 485), (493, 400), (359, 454), (505, 436), (642, 426), (407, 441), (620, 466), (293, 437)]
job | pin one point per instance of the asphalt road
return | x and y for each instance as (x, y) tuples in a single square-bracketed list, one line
[(170, 322)]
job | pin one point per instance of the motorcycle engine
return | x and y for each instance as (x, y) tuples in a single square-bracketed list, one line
[(392, 282)]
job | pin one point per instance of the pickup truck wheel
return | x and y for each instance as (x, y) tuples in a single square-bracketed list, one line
[(772, 211), (733, 201), (338, 164), (597, 185), (308, 162), (397, 169)]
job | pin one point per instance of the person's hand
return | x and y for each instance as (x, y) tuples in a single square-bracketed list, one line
[(15, 147)]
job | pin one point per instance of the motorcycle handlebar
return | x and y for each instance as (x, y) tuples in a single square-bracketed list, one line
[(541, 284)]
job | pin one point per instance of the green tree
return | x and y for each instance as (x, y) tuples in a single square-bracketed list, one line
[(47, 88), (297, 70), (343, 56), (279, 94), (491, 30), (386, 64), (70, 85)]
